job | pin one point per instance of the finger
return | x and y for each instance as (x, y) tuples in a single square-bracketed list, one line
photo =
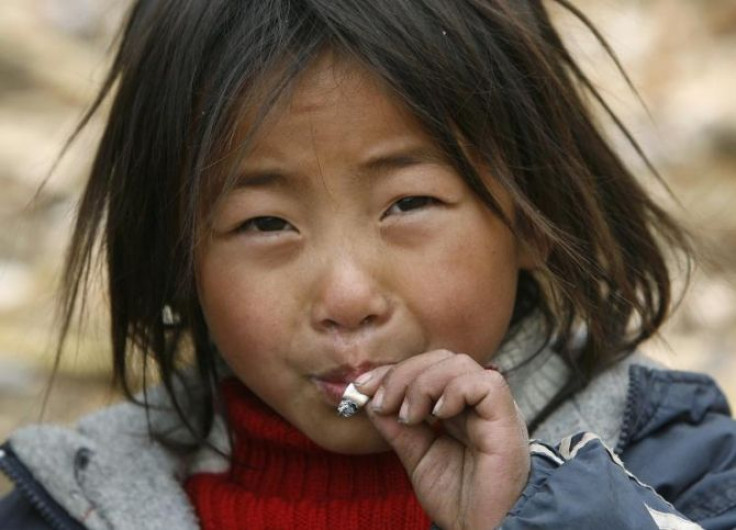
[(486, 391), (369, 382), (455, 428), (423, 391), (489, 397), (390, 394)]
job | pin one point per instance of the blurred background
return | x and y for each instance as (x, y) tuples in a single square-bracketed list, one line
[(680, 55)]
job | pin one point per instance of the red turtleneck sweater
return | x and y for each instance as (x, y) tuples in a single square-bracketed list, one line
[(281, 479)]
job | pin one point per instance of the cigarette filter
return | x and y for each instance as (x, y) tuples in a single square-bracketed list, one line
[(351, 402)]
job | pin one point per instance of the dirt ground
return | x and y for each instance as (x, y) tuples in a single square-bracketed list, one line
[(53, 56)]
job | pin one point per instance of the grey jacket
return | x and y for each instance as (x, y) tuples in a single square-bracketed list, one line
[(672, 430)]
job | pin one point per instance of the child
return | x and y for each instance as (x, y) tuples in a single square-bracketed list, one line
[(407, 195)]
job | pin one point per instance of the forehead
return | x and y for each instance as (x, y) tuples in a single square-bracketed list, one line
[(331, 79), (335, 116), (335, 102)]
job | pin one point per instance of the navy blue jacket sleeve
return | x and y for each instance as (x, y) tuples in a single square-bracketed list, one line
[(582, 484), (682, 441), (16, 513), (674, 466)]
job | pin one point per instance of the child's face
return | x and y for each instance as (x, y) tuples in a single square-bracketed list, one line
[(349, 243)]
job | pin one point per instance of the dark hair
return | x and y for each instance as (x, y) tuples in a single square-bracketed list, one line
[(488, 76)]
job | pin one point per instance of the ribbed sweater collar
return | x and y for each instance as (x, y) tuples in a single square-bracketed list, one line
[(534, 372), (281, 479)]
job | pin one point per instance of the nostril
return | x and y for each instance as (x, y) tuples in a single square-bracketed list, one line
[(338, 324)]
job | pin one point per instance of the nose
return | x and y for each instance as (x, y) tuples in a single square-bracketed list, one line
[(349, 296)]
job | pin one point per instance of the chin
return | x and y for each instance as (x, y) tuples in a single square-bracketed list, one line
[(350, 436)]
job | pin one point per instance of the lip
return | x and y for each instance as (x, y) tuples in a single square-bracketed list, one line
[(331, 392), (332, 384)]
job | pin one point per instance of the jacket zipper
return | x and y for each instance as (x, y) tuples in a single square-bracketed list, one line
[(49, 509)]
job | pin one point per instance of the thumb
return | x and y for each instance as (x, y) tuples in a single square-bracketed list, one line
[(410, 442)]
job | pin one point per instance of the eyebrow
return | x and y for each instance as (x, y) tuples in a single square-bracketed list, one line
[(402, 159), (375, 166), (261, 179)]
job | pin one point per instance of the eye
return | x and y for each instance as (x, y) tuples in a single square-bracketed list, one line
[(265, 224), (408, 204)]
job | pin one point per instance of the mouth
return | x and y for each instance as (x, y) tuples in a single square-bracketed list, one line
[(332, 384), (331, 392)]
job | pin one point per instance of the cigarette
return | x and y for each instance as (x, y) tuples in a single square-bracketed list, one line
[(351, 402)]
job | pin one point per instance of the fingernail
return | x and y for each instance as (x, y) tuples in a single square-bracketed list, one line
[(438, 406), (377, 400), (363, 379), (404, 412)]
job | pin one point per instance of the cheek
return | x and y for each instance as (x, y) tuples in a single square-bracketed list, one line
[(467, 293), (233, 307)]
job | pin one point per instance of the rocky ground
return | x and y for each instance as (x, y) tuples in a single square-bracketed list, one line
[(680, 54)]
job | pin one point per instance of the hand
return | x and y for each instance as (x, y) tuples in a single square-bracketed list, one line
[(468, 473)]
